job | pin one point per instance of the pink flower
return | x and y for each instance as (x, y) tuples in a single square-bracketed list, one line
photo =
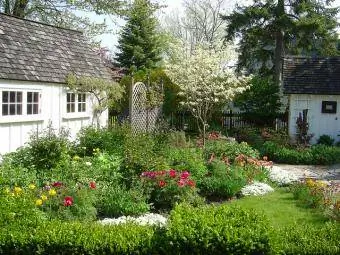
[(68, 201), (172, 173), (92, 185), (181, 183), (185, 175), (161, 183)]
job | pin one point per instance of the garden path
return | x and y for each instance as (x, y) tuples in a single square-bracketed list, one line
[(330, 173)]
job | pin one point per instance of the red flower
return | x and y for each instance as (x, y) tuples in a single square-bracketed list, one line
[(93, 185), (57, 184), (185, 175), (161, 183), (191, 183), (181, 183), (68, 201), (172, 173)]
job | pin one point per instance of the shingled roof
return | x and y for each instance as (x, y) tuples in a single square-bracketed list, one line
[(303, 75), (32, 51)]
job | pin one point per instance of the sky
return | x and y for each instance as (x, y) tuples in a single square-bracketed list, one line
[(109, 40)]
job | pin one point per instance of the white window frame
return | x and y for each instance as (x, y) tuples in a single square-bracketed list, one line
[(83, 112), (23, 117)]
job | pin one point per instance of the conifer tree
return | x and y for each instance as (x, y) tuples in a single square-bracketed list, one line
[(139, 44)]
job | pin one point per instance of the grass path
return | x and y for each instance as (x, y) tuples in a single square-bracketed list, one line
[(281, 209)]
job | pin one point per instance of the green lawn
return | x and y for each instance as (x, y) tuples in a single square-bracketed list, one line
[(281, 209)]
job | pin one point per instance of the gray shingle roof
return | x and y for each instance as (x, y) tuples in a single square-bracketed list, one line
[(303, 75), (32, 51)]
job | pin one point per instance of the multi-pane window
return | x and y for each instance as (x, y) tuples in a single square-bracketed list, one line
[(73, 100), (82, 102), (11, 103), (32, 103)]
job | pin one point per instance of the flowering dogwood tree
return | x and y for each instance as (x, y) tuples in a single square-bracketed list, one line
[(204, 81)]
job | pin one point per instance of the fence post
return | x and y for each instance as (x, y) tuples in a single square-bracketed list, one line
[(230, 119)]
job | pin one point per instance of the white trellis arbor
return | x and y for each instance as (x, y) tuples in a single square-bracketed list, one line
[(143, 117)]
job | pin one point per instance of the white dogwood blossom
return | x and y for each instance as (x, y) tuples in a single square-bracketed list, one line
[(204, 80)]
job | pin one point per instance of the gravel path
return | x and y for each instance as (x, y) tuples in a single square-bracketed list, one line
[(330, 174)]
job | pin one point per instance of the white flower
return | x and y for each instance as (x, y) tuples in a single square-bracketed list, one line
[(88, 163), (282, 177), (256, 189), (146, 219)]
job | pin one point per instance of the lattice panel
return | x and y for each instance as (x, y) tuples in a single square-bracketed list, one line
[(142, 119)]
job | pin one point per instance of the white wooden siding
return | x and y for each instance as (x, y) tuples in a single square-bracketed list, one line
[(319, 123), (15, 130)]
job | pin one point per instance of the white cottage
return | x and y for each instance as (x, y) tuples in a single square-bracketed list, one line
[(35, 60), (313, 84)]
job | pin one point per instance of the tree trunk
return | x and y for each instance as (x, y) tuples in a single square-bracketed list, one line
[(7, 7), (19, 8)]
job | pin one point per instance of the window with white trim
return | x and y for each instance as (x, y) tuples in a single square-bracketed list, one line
[(19, 102), (75, 102)]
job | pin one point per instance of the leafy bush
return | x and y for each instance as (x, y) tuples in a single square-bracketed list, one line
[(222, 181), (187, 159), (325, 140), (216, 230), (57, 237), (107, 140), (228, 150), (115, 200), (306, 239), (167, 188), (317, 154)]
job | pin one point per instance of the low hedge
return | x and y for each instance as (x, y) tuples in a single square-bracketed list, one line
[(316, 154), (204, 230)]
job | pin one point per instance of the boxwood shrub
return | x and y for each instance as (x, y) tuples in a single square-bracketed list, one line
[(216, 230), (316, 154)]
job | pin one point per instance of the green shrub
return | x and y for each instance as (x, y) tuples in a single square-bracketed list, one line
[(190, 159), (306, 239), (317, 154), (12, 174), (115, 200), (166, 188), (107, 140), (222, 181), (229, 150), (325, 140), (57, 237), (216, 230)]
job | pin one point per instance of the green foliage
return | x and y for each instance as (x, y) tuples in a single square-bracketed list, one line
[(47, 149), (139, 44), (306, 239), (308, 28), (261, 102), (166, 188), (229, 150), (325, 140), (217, 230), (317, 154), (115, 200), (56, 237), (222, 181), (109, 140), (190, 159)]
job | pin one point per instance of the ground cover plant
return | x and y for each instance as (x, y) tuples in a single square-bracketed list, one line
[(189, 185)]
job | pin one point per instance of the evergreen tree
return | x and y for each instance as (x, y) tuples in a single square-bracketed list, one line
[(269, 29), (139, 44)]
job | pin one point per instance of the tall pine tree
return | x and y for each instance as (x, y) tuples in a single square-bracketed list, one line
[(139, 44), (269, 29)]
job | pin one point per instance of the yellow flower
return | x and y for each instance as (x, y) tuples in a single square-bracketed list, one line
[(38, 202), (31, 186), (76, 158), (52, 192), (17, 190), (43, 197)]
